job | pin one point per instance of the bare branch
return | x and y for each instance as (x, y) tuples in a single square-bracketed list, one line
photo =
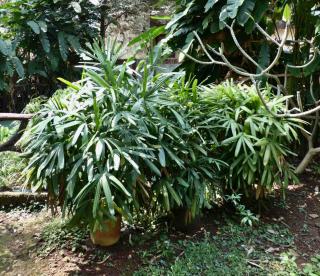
[(240, 48), (197, 60), (266, 34), (315, 53), (15, 116)]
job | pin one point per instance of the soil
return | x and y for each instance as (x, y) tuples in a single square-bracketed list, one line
[(20, 232), (301, 215)]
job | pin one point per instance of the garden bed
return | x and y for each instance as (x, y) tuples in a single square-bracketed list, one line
[(293, 229)]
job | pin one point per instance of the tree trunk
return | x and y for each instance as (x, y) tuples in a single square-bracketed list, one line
[(306, 160)]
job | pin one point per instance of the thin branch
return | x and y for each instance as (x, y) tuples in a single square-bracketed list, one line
[(266, 34), (315, 53), (280, 50), (15, 116), (197, 60), (299, 101), (203, 47), (233, 35)]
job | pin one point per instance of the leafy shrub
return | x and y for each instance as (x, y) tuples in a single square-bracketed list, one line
[(252, 142), (121, 142)]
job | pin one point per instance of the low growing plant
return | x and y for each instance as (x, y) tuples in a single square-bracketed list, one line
[(11, 164), (247, 217), (59, 235)]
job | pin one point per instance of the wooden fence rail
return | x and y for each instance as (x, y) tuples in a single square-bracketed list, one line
[(10, 145)]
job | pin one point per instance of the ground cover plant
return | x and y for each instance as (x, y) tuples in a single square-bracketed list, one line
[(11, 163), (11, 167), (234, 250)]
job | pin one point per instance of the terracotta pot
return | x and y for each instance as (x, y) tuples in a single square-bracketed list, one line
[(108, 234)]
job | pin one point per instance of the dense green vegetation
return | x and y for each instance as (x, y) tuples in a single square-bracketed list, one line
[(251, 141), (155, 147), (138, 148), (41, 40), (210, 18), (122, 141)]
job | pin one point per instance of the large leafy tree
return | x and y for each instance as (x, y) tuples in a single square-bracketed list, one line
[(209, 18), (40, 40)]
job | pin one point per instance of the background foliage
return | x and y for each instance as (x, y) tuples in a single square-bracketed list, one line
[(208, 19)]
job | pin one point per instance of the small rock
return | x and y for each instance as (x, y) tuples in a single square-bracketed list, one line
[(317, 224), (66, 259), (313, 216), (129, 256)]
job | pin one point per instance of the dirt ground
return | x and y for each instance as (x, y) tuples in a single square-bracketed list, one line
[(20, 235), (301, 215)]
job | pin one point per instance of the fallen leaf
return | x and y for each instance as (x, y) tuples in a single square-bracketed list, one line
[(271, 250)]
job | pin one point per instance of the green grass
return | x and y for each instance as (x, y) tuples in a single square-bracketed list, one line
[(11, 164), (57, 235), (235, 250)]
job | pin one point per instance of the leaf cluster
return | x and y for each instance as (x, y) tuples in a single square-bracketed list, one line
[(252, 142), (43, 38)]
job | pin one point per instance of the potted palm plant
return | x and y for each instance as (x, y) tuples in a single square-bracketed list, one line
[(86, 145), (121, 140)]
